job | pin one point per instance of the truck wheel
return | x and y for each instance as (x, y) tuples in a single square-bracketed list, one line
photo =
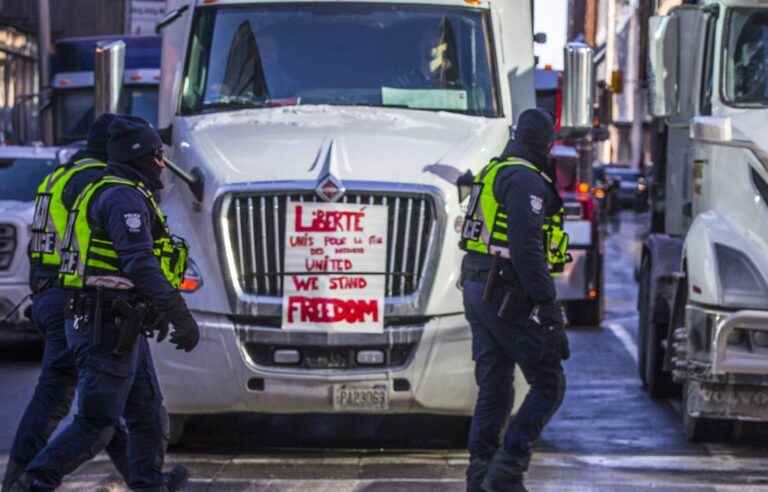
[(177, 424), (643, 306), (658, 382), (585, 313)]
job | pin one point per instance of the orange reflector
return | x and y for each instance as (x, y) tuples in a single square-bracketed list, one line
[(136, 77), (593, 294), (599, 193), (548, 67), (63, 82), (473, 2), (208, 2), (583, 188), (189, 284)]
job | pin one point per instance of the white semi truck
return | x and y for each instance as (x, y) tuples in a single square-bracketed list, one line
[(704, 274), (342, 108)]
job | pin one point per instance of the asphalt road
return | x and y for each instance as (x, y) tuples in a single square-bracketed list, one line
[(608, 436)]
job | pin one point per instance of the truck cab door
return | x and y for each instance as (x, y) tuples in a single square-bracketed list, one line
[(675, 56), (513, 36)]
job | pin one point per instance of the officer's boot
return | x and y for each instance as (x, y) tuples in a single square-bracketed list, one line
[(177, 478), (475, 474), (25, 483), (12, 473), (505, 474)]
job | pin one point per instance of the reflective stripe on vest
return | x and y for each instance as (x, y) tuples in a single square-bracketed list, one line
[(485, 228), (91, 261), (50, 219)]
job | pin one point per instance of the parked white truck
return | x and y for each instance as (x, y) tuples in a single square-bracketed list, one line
[(21, 171), (302, 124), (704, 277)]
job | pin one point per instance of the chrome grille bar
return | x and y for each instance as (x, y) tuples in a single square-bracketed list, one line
[(257, 239), (264, 254)]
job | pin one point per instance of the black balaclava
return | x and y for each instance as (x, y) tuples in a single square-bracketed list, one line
[(534, 136), (133, 142)]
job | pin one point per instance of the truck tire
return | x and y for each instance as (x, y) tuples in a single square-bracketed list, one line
[(643, 306), (176, 427), (658, 382), (584, 313), (589, 313)]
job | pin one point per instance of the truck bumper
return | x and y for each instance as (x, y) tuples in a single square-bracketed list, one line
[(572, 284), (733, 384), (579, 276), (17, 328), (228, 371)]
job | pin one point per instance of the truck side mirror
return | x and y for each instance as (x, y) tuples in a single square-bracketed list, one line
[(578, 87), (109, 66), (663, 65)]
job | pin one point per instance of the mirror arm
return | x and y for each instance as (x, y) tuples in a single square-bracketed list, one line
[(166, 135), (194, 180), (170, 18)]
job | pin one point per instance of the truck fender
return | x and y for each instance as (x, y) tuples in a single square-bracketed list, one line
[(703, 279), (665, 254)]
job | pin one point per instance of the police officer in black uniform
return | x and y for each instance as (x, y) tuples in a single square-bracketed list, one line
[(56, 385), (514, 241), (118, 252)]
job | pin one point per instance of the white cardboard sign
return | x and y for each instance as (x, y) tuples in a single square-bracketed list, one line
[(335, 259)]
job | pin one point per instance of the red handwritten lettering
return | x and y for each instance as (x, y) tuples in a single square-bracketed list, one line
[(327, 265), (304, 240), (329, 221), (328, 310), (347, 283), (308, 283)]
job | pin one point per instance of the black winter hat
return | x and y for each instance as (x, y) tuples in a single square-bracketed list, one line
[(535, 129), (98, 135), (131, 138)]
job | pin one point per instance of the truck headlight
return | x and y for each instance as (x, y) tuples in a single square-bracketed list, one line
[(193, 280), (740, 281)]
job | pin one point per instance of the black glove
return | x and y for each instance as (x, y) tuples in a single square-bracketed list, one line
[(550, 317), (186, 333), (156, 324)]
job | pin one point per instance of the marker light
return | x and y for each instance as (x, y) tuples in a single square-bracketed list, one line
[(599, 193), (583, 188), (192, 278)]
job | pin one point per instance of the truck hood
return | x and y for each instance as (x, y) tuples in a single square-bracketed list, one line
[(13, 207), (357, 144), (750, 126)]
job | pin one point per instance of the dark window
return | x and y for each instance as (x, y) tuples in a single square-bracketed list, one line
[(745, 74), (705, 104), (19, 178), (352, 54)]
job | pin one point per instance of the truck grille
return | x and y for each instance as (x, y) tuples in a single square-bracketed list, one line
[(7, 245), (257, 238)]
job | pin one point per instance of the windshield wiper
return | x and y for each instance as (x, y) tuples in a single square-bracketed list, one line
[(219, 105), (240, 104)]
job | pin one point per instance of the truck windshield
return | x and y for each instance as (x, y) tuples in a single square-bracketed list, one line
[(20, 177), (746, 57), (74, 110), (353, 54)]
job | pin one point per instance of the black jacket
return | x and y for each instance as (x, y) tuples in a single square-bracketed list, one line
[(115, 211), (528, 199)]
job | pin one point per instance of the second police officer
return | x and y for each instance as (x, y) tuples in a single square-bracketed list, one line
[(56, 385), (514, 241), (125, 268)]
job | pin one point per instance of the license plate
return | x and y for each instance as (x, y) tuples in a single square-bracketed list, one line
[(361, 398)]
